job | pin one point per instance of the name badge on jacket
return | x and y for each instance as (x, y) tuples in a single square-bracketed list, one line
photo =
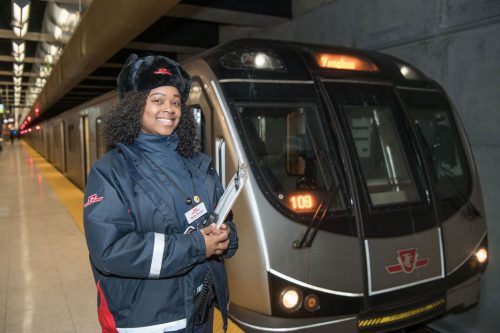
[(195, 213)]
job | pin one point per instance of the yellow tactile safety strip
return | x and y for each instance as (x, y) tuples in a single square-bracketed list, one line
[(72, 198), (385, 320), (70, 195)]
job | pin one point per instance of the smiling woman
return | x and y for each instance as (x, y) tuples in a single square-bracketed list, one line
[(152, 92), (162, 112), (142, 197)]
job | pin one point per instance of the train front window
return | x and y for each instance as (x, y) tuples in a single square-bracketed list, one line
[(432, 116), (370, 113), (381, 156), (291, 155)]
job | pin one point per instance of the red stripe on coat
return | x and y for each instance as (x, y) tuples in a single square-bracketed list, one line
[(105, 316)]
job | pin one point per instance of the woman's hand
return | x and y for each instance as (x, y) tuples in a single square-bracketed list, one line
[(216, 240)]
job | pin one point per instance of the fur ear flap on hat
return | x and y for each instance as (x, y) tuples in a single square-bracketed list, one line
[(150, 72), (124, 81)]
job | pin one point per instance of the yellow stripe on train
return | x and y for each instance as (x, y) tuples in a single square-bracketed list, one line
[(401, 315)]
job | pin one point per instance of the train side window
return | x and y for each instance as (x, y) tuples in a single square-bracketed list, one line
[(199, 120), (99, 137), (56, 135), (72, 138), (199, 105)]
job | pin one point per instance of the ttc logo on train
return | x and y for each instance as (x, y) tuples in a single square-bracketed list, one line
[(408, 261)]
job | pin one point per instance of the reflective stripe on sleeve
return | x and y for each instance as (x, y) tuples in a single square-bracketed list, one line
[(159, 246), (166, 327)]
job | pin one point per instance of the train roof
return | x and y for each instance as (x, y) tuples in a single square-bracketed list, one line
[(286, 60)]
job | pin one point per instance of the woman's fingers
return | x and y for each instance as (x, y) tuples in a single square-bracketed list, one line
[(222, 246), (216, 240), (208, 229)]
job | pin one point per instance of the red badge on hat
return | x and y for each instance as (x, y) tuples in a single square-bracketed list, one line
[(162, 71)]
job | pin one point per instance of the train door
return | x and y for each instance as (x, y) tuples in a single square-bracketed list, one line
[(62, 136), (400, 235), (202, 109), (210, 130), (48, 148), (51, 143), (99, 138), (85, 145)]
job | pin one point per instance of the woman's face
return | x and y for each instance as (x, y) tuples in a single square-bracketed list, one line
[(162, 112)]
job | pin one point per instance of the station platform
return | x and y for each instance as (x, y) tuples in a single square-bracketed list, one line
[(46, 283)]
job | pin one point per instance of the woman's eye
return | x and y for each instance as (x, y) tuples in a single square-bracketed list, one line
[(157, 101), (176, 103)]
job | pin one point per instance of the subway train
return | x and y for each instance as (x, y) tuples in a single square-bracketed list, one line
[(363, 210)]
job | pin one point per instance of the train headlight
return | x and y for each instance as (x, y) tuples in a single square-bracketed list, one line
[(481, 255), (409, 73), (257, 60), (290, 299), (261, 60), (311, 303)]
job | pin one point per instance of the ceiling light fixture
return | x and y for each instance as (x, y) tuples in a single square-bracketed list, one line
[(20, 31), (40, 82), (64, 18), (19, 57), (20, 12), (18, 47), (45, 71), (18, 69)]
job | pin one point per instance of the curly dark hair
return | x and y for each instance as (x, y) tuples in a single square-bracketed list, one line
[(122, 124)]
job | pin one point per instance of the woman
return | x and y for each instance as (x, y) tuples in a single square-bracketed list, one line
[(156, 266)]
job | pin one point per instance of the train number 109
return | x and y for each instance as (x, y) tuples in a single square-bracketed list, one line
[(302, 202)]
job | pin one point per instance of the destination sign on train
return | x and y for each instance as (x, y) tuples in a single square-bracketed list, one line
[(345, 61)]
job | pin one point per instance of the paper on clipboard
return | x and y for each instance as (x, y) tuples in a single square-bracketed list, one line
[(233, 190)]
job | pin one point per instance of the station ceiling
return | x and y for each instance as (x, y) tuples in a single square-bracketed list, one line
[(107, 33)]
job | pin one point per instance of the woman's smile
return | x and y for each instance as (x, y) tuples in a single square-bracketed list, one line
[(166, 121)]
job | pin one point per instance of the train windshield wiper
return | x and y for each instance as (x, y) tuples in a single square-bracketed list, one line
[(471, 209), (448, 175), (319, 215), (324, 161), (317, 220)]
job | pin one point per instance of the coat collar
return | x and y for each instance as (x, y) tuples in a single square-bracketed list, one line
[(157, 143)]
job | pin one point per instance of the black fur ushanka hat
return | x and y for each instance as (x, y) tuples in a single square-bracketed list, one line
[(150, 72)]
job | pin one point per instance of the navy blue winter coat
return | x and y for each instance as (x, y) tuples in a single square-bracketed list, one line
[(146, 269)]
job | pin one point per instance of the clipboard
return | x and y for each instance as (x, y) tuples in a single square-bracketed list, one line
[(228, 198)]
